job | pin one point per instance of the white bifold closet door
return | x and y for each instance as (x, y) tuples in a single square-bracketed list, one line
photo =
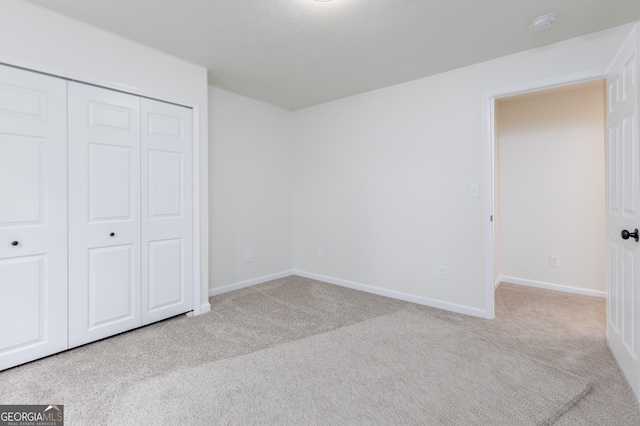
[(104, 213), (167, 242), (33, 216), (130, 214)]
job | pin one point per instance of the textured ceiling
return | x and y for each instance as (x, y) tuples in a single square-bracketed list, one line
[(298, 53)]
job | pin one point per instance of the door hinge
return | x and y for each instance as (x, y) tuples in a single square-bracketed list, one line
[(491, 218)]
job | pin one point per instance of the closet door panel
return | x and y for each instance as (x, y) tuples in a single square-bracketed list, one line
[(104, 213), (165, 269), (29, 272), (166, 185), (110, 192), (166, 150), (111, 285), (33, 216), (20, 167)]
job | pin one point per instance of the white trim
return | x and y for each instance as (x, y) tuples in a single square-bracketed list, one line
[(248, 283), (488, 201), (205, 307), (461, 309), (355, 286), (489, 99), (196, 231), (497, 283), (202, 309), (548, 83), (553, 286)]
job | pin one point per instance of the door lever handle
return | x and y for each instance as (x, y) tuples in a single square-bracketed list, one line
[(626, 234)]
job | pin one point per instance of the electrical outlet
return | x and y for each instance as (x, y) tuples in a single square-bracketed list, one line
[(320, 253), (554, 261), (442, 272), (248, 257)]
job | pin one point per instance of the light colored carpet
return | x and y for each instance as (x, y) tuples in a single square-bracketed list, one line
[(401, 368), (563, 330)]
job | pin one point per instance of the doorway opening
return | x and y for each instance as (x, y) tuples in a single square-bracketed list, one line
[(548, 155)]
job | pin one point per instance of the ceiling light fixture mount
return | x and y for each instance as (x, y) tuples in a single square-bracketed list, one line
[(543, 22)]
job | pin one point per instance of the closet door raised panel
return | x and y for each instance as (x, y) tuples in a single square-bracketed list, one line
[(33, 216), (167, 274), (104, 213)]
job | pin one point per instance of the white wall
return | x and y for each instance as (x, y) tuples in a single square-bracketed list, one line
[(36, 38), (251, 197), (552, 188), (387, 214)]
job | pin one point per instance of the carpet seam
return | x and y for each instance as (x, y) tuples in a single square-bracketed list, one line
[(552, 416), (487, 340), (562, 411), (568, 406)]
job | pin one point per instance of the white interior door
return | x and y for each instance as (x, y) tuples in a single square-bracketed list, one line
[(104, 213), (33, 216), (167, 253), (623, 211)]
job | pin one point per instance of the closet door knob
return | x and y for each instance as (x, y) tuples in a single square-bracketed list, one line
[(626, 234), (14, 243), (113, 234)]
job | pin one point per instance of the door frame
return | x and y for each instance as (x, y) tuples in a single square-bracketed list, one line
[(489, 102)]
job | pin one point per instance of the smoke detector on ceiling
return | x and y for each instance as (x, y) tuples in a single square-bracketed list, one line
[(543, 22)]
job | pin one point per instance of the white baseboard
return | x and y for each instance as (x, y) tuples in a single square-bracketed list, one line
[(248, 283), (496, 284), (395, 294), (552, 286), (204, 308)]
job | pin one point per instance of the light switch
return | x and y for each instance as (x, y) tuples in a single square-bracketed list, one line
[(475, 190)]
